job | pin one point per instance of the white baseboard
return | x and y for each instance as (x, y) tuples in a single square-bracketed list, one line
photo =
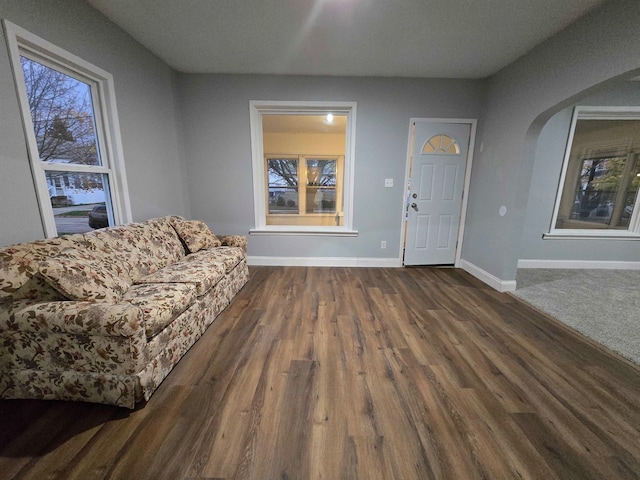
[(488, 278), (579, 264), (324, 262)]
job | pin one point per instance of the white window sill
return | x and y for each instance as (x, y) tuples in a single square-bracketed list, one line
[(310, 231), (596, 235)]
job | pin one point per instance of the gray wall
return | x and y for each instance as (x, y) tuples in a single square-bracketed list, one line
[(549, 155), (521, 98), (218, 151), (146, 106)]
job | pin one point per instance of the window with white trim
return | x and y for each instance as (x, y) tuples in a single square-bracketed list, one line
[(71, 127), (598, 193), (303, 167)]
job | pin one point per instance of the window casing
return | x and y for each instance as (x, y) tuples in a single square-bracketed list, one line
[(598, 193), (72, 135), (304, 192)]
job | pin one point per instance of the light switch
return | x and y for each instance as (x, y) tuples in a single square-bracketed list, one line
[(388, 182)]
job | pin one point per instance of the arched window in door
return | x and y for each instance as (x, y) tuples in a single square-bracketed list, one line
[(441, 145)]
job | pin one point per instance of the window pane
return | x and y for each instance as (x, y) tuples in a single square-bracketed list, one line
[(631, 194), (62, 114), (321, 173), (597, 188), (601, 181), (321, 186), (283, 185), (78, 201)]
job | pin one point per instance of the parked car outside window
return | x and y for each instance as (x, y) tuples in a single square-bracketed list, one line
[(98, 217)]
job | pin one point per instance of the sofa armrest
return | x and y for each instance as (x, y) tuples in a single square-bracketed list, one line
[(89, 318), (235, 241)]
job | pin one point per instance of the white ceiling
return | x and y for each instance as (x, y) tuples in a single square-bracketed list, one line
[(392, 38)]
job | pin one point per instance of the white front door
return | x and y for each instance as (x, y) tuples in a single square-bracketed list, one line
[(439, 157)]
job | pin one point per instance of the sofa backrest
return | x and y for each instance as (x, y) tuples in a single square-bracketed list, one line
[(134, 250), (143, 248)]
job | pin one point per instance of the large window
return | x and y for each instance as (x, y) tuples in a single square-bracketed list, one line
[(303, 167), (601, 175), (72, 135)]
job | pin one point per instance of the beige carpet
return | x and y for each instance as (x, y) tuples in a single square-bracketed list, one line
[(602, 304)]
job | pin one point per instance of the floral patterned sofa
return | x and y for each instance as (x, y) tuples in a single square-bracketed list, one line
[(104, 316)]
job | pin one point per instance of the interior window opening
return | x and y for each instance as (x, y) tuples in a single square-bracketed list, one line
[(303, 175)]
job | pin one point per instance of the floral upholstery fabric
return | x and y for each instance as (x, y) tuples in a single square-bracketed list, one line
[(19, 263), (132, 249), (58, 352), (113, 352), (37, 288), (9, 308), (235, 241), (79, 336), (164, 239), (80, 275), (94, 318), (203, 275), (229, 256), (195, 234), (118, 390), (161, 303)]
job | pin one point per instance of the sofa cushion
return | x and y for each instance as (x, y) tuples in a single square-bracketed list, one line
[(195, 234), (229, 256), (20, 263), (165, 239), (134, 245), (95, 244), (161, 303), (203, 275), (235, 241), (79, 275)]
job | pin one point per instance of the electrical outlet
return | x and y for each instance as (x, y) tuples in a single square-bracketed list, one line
[(383, 244), (388, 182)]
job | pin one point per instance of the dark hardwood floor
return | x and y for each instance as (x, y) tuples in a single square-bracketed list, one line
[(341, 373)]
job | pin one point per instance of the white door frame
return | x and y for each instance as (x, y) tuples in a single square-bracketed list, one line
[(467, 180)]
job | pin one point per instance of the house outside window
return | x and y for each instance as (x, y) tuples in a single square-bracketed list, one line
[(600, 180), (303, 167), (70, 122)]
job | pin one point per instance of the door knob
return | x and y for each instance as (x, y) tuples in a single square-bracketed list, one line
[(414, 206)]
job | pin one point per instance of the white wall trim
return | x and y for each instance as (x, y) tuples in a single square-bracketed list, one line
[(324, 261), (486, 277), (578, 264)]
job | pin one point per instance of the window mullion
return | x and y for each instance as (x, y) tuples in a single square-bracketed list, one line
[(74, 167), (302, 185)]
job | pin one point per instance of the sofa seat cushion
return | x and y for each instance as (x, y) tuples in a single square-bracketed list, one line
[(161, 303), (203, 275), (82, 275), (229, 256)]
